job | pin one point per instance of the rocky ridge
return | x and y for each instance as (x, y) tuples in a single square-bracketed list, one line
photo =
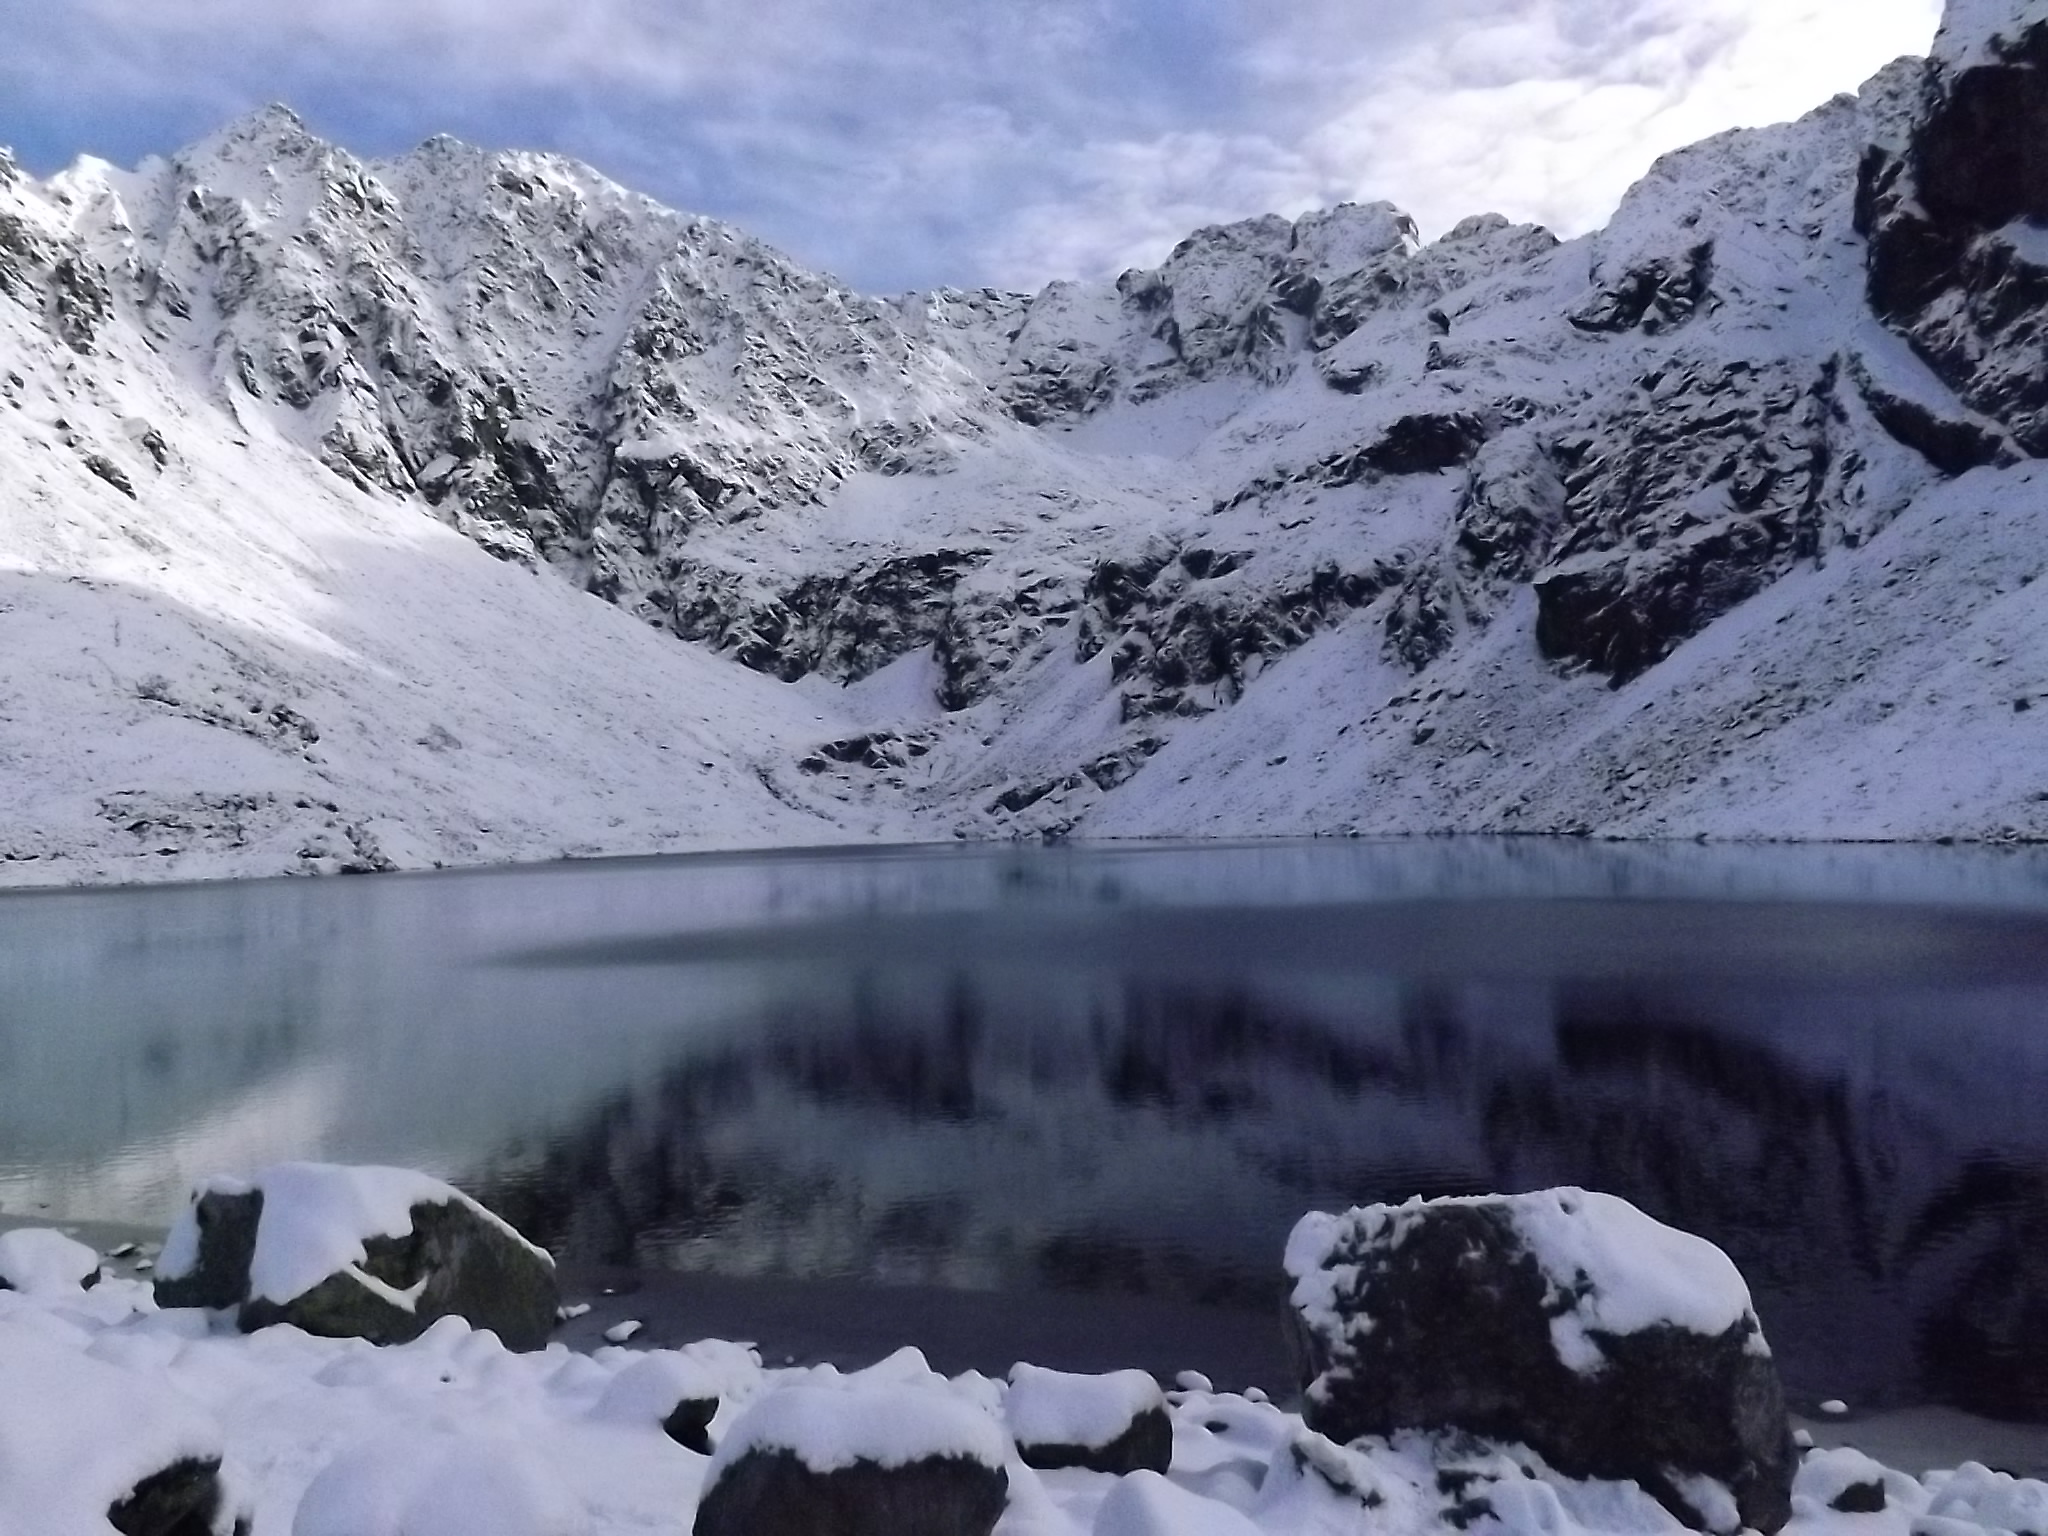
[(1313, 527)]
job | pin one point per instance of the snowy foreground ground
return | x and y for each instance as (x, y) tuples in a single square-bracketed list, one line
[(453, 1435)]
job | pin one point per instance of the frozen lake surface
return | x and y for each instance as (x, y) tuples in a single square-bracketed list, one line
[(1031, 1072)]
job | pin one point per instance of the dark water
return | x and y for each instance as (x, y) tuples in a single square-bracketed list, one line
[(1127, 1071)]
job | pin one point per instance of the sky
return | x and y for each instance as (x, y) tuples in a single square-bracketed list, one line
[(915, 143)]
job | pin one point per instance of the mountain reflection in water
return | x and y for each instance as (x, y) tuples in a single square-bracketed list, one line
[(1112, 1070)]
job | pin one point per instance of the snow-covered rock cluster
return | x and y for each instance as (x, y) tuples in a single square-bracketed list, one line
[(1705, 523), (116, 1413)]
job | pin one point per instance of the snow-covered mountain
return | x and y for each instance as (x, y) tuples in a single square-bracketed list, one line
[(1724, 521)]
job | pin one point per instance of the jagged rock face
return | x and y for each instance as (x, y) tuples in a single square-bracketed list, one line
[(1092, 521), (564, 370), (1185, 637), (1719, 480), (1250, 300), (1957, 218)]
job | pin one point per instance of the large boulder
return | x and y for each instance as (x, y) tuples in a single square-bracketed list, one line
[(856, 1459), (435, 1484), (345, 1252), (1109, 1423), (1567, 1321)]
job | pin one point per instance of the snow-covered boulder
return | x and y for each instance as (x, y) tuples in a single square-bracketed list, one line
[(85, 1444), (667, 1389), (1565, 1320), (1110, 1423), (445, 1485), (355, 1252), (892, 1458), (1848, 1482), (1146, 1504), (41, 1261)]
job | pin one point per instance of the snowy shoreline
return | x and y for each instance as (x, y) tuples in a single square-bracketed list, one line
[(311, 1423)]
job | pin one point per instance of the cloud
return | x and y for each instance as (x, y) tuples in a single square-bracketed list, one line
[(1549, 110), (913, 142)]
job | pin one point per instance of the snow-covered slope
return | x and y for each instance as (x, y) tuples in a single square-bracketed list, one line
[(1724, 520)]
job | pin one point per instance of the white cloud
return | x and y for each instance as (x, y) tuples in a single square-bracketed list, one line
[(1548, 110), (919, 141)]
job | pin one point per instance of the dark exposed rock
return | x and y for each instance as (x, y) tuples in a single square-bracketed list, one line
[(1508, 517), (1423, 618), (1114, 768), (1953, 219), (184, 1499), (772, 1493), (227, 1246), (1684, 507), (1147, 1446), (1182, 645), (1860, 1499), (81, 302), (1347, 378), (1952, 441), (1114, 1422), (689, 1423), (112, 473), (1045, 390), (454, 1262), (1442, 1316), (1418, 444), (842, 626), (1511, 510)]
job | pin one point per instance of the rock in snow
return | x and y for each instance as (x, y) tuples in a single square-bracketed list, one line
[(1724, 520), (85, 1443), (1115, 1422), (887, 1459), (373, 1253), (1567, 1321), (669, 1391), (37, 1259)]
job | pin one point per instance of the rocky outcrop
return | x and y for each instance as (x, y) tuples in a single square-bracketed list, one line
[(1657, 295), (1255, 299), (1695, 496), (1564, 1321), (1187, 631), (1956, 215)]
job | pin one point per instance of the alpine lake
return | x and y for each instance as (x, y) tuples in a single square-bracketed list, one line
[(1071, 1099)]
